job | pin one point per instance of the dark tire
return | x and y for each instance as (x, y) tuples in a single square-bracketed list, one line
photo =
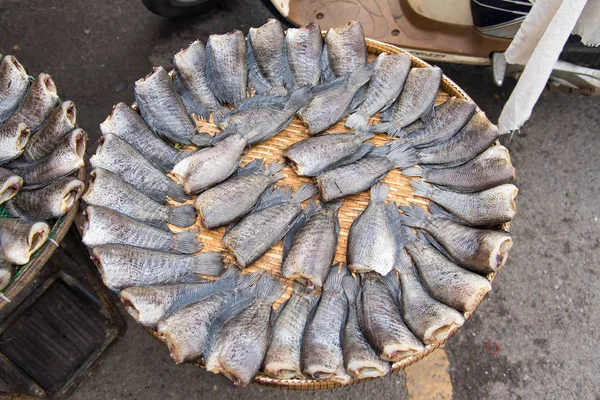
[(285, 21), (177, 8), (576, 52)]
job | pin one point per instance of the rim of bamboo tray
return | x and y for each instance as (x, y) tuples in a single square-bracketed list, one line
[(28, 271), (450, 88)]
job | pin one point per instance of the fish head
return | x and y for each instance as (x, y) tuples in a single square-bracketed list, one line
[(143, 304), (22, 133), (10, 188), (282, 370), (47, 84), (71, 192), (69, 112), (77, 142), (38, 234), (394, 352), (361, 369), (500, 248), (11, 63)]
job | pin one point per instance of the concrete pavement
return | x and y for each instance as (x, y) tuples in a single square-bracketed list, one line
[(544, 309)]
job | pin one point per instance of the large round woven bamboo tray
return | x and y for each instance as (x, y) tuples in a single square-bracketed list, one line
[(26, 273), (400, 191)]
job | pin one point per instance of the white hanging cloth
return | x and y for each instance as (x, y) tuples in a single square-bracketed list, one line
[(537, 45)]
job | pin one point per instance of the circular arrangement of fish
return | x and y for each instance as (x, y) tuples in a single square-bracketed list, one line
[(41, 149), (333, 227)]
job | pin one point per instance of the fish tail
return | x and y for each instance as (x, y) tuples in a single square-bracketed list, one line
[(233, 307), (438, 211), (304, 192), (182, 216), (415, 216), (252, 167), (422, 189), (351, 288), (365, 134), (358, 122), (186, 242), (392, 283), (219, 112), (274, 196), (176, 192), (361, 76), (379, 192), (202, 139), (208, 263), (334, 205), (299, 98), (402, 155), (275, 167), (269, 288), (385, 127), (413, 171), (335, 278), (246, 281)]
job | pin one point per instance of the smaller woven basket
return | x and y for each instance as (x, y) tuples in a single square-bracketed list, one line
[(400, 191)]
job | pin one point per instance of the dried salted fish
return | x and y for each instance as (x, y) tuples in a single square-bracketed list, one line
[(317, 154), (108, 190), (360, 359), (123, 266), (268, 69), (37, 104), (14, 83), (490, 207), (192, 84), (480, 250), (10, 184), (282, 359), (19, 239), (381, 323), (274, 215), (232, 199), (489, 169), (360, 175), (226, 66), (372, 239), (116, 155), (13, 139), (389, 73), (52, 201), (304, 46), (105, 226), (321, 354), (415, 102), (250, 332), (309, 248), (128, 125), (60, 121)]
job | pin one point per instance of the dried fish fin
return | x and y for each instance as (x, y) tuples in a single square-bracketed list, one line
[(252, 167), (255, 78), (186, 242), (289, 237), (273, 196), (236, 306), (304, 192), (182, 216), (326, 71), (191, 105), (209, 263)]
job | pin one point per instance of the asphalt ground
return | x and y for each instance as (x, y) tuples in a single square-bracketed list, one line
[(544, 310)]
